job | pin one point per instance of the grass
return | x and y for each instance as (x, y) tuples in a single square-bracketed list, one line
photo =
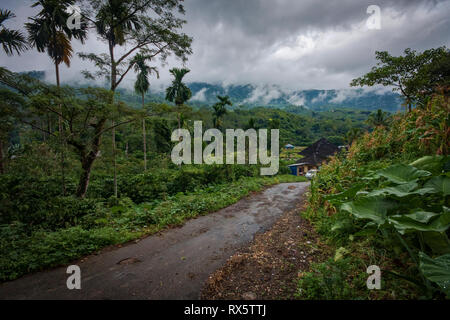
[(123, 221)]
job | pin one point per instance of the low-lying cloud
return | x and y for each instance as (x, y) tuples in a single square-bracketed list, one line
[(307, 44)]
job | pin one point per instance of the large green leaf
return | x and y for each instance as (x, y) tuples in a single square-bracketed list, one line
[(433, 164), (437, 241), (339, 198), (421, 221), (439, 184), (401, 190), (402, 173), (373, 208), (436, 270)]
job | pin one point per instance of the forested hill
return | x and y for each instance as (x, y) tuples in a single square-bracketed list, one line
[(205, 94), (316, 100)]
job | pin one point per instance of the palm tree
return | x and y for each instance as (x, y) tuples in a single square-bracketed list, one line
[(178, 93), (49, 32), (141, 86), (220, 110), (353, 134), (378, 119), (11, 40)]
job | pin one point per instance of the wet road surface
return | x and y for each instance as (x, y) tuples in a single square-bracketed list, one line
[(172, 265)]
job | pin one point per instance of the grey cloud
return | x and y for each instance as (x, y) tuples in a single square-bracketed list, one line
[(296, 44)]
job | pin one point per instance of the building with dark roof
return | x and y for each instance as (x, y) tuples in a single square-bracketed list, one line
[(314, 156)]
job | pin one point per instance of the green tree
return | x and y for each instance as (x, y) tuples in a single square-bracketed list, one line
[(48, 32), (353, 134), (220, 110), (129, 24), (378, 119), (11, 40), (407, 74), (141, 86), (161, 135), (178, 92), (251, 124)]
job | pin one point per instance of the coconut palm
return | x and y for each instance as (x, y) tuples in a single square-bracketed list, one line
[(141, 86), (220, 110), (48, 32), (353, 134), (178, 93), (380, 118), (11, 40)]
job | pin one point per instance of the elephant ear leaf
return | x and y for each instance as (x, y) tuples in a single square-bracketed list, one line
[(401, 190), (402, 173), (436, 270), (421, 221), (339, 198), (434, 164), (372, 208), (439, 184)]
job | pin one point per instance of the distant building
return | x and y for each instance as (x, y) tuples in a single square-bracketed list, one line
[(289, 146), (314, 156)]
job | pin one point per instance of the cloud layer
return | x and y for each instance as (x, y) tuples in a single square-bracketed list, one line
[(291, 43)]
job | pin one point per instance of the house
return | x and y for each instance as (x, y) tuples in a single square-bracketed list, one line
[(289, 146), (314, 156)]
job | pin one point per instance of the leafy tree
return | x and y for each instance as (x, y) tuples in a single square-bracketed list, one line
[(379, 118), (178, 92), (85, 111), (130, 25), (11, 40), (10, 109), (141, 86), (161, 135), (407, 74), (220, 110)]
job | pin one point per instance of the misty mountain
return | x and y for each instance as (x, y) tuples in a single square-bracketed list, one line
[(315, 100), (272, 96)]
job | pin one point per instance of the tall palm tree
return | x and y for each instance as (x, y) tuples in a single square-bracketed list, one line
[(378, 119), (353, 134), (141, 86), (11, 40), (48, 32), (220, 110), (178, 93)]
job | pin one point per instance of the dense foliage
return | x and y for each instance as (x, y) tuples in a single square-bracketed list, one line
[(387, 203)]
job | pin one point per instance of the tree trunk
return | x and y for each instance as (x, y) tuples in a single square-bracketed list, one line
[(114, 158), (61, 137), (144, 137), (113, 89), (87, 159), (86, 165), (2, 167)]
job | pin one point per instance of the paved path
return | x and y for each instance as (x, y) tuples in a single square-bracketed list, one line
[(172, 265)]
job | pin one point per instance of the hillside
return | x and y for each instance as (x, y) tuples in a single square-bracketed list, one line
[(250, 96)]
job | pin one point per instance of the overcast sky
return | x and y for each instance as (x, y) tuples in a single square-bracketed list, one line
[(297, 44)]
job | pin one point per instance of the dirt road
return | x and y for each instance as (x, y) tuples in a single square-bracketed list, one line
[(172, 265)]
